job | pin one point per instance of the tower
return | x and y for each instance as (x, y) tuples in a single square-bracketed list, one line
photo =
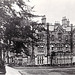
[(65, 22)]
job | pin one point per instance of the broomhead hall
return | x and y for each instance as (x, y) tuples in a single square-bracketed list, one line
[(56, 45)]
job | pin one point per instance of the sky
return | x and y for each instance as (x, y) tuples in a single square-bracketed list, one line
[(55, 9)]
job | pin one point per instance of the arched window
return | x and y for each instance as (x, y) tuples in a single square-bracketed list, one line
[(52, 47), (66, 38), (60, 36), (52, 38), (66, 46)]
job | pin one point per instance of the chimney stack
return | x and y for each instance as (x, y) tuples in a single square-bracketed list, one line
[(43, 20)]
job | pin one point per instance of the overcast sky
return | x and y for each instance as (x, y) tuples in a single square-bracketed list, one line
[(55, 9)]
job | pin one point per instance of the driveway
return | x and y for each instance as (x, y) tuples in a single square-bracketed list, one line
[(11, 71)]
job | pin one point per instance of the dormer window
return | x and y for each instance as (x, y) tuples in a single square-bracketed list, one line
[(60, 36)]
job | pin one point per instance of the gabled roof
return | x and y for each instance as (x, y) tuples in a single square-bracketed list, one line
[(59, 29), (53, 27)]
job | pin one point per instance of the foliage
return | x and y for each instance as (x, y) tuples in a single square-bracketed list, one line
[(16, 26)]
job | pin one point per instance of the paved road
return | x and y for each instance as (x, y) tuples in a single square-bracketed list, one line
[(41, 72)]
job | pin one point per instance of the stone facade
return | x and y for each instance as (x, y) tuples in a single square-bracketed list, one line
[(59, 43)]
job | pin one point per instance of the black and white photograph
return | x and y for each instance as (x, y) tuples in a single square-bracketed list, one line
[(37, 37)]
